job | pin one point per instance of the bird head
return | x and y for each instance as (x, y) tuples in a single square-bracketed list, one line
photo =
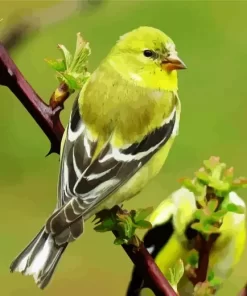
[(147, 56)]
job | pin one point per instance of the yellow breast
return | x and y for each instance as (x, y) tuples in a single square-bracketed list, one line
[(140, 179)]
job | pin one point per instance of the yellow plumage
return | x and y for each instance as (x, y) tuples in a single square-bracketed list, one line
[(120, 131)]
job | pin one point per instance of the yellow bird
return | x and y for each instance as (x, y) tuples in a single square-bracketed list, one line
[(121, 129)]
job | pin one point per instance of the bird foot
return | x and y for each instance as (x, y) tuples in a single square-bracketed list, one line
[(124, 223)]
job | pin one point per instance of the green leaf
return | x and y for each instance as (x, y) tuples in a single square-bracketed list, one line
[(81, 55), (205, 228), (175, 274), (120, 241), (197, 226), (58, 65), (228, 175), (212, 205), (216, 282), (211, 163), (187, 183), (169, 276), (210, 275), (199, 214), (102, 228), (201, 198), (125, 228), (121, 221), (202, 176), (208, 229), (106, 225), (216, 216), (66, 55), (235, 208), (178, 271), (72, 82), (142, 214), (127, 225), (81, 45), (219, 185), (193, 258), (143, 224)]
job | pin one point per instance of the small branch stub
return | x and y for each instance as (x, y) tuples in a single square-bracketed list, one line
[(59, 96)]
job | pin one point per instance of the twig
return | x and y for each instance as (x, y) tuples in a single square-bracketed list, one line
[(47, 117), (146, 266), (203, 247)]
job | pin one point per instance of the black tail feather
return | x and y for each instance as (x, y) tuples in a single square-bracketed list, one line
[(39, 258)]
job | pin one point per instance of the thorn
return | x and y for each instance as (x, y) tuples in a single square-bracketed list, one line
[(50, 152)]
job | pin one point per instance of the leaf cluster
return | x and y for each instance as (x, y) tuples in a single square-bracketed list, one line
[(72, 69), (211, 186), (123, 222)]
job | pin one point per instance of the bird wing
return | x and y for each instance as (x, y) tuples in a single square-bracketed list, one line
[(86, 182)]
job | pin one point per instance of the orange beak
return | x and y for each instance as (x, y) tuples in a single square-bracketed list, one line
[(173, 63)]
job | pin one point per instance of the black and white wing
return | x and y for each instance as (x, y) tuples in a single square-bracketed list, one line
[(84, 183), (76, 157)]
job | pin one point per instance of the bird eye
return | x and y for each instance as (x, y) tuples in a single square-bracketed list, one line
[(148, 53)]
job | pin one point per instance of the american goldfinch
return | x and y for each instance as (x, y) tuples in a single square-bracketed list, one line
[(171, 237), (120, 131)]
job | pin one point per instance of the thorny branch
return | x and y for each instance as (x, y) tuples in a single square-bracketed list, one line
[(47, 117)]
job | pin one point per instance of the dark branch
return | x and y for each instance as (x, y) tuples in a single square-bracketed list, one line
[(47, 117), (203, 247), (146, 266)]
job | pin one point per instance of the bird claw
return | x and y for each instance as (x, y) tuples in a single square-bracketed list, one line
[(123, 222), (106, 214)]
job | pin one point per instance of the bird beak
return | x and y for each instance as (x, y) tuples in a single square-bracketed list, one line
[(172, 62)]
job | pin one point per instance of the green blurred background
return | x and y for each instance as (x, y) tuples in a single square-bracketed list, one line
[(211, 39)]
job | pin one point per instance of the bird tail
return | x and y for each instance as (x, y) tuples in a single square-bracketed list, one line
[(136, 284), (39, 258)]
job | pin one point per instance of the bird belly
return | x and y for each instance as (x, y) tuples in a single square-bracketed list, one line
[(138, 181)]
